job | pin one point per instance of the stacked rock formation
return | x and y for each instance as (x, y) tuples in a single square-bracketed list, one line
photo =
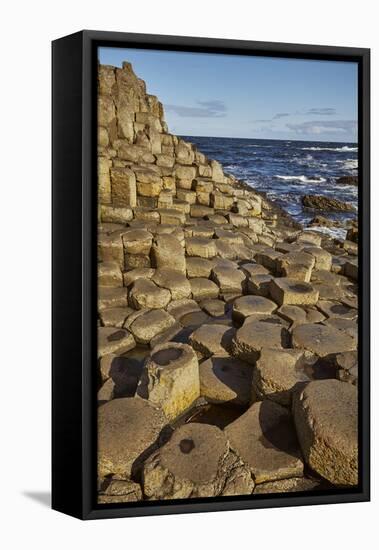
[(227, 334)]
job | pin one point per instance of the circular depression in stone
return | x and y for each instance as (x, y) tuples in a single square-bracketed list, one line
[(164, 356), (186, 445), (195, 452)]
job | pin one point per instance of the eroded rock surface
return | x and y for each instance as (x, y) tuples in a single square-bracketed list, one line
[(196, 266), (326, 419), (170, 378), (265, 438), (196, 462), (128, 429)]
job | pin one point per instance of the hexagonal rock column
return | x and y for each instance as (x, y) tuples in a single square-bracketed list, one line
[(297, 265), (128, 428), (203, 289), (225, 379), (176, 282), (323, 258), (284, 290), (201, 247), (265, 439), (276, 375), (228, 279), (170, 378), (326, 419), (255, 335), (150, 324), (114, 340), (168, 252), (196, 462), (211, 339), (146, 294), (322, 340), (247, 306)]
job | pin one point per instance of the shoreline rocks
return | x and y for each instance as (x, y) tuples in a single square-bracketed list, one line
[(347, 180), (320, 202)]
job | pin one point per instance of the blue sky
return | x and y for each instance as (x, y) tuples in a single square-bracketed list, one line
[(248, 97)]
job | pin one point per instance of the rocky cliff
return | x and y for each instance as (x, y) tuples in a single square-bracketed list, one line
[(225, 332)]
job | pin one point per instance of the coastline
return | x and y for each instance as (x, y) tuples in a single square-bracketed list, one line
[(220, 318)]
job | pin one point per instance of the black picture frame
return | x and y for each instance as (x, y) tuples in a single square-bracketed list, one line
[(74, 205)]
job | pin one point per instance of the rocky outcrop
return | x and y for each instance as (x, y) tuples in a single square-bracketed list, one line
[(347, 180), (320, 202), (215, 310)]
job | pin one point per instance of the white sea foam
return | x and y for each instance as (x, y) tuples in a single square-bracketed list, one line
[(343, 149), (334, 232), (349, 164), (260, 146), (303, 179)]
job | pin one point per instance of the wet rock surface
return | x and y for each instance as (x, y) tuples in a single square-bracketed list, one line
[(227, 333)]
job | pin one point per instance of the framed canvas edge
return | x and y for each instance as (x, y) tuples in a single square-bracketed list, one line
[(87, 460)]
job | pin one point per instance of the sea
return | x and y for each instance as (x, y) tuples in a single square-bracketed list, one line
[(287, 170)]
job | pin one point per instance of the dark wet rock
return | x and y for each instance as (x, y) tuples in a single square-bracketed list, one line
[(322, 221), (319, 202), (347, 180)]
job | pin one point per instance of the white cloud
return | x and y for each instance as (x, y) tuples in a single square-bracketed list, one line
[(313, 127)]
